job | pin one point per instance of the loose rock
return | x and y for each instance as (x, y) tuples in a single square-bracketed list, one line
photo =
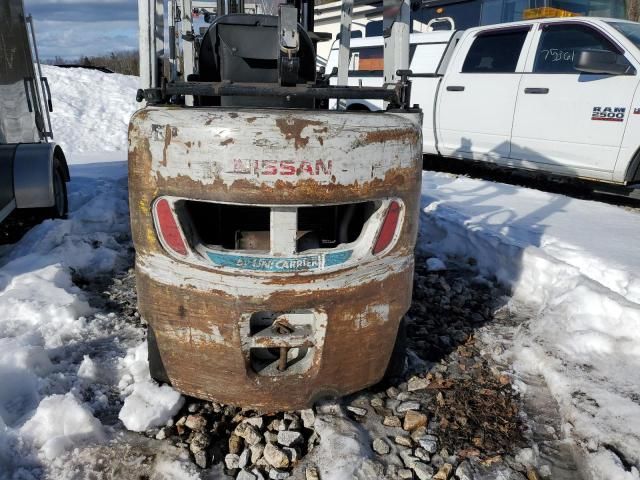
[(275, 456), (361, 412), (278, 474), (232, 461), (413, 420), (289, 438), (308, 417), (245, 475), (391, 421), (444, 473), (417, 383), (200, 458), (464, 471), (422, 471), (199, 442), (249, 433), (406, 406), (256, 452), (244, 458), (392, 392), (235, 444), (311, 473), (196, 422), (422, 454), (257, 422), (429, 443), (380, 447), (405, 474), (403, 440)]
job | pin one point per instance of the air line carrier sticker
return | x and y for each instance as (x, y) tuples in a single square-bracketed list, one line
[(301, 263), (608, 114)]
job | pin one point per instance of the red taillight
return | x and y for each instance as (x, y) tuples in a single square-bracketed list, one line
[(388, 229), (168, 227)]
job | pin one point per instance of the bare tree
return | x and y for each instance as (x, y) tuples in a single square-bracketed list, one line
[(124, 62), (633, 10)]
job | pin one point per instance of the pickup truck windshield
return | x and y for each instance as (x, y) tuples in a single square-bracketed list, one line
[(629, 30)]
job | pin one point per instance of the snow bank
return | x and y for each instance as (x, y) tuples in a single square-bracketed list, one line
[(60, 423), (56, 351), (578, 263), (146, 404), (91, 109)]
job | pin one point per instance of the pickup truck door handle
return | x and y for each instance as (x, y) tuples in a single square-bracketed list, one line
[(455, 88), (537, 91)]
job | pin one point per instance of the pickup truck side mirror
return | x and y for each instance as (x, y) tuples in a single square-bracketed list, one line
[(603, 62)]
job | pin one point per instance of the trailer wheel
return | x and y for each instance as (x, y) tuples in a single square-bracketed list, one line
[(398, 361), (156, 366), (61, 206)]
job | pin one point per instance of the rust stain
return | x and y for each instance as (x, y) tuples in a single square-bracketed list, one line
[(292, 127), (226, 142), (167, 141), (391, 135), (233, 115), (189, 365), (251, 119)]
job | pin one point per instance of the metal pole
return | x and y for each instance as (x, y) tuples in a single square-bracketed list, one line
[(396, 21), (158, 42), (144, 27), (188, 49), (345, 45), (38, 81)]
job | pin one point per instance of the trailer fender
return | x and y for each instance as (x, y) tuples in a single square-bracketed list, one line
[(33, 168)]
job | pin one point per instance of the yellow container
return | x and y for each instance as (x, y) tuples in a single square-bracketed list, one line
[(546, 12)]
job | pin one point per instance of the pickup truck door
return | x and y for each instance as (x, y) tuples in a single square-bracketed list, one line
[(567, 121), (478, 94)]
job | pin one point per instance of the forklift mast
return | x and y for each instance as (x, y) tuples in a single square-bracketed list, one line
[(170, 40)]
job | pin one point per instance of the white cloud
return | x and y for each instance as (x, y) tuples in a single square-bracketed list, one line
[(74, 28)]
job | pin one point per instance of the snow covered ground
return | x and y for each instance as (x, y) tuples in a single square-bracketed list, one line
[(577, 264), (65, 366)]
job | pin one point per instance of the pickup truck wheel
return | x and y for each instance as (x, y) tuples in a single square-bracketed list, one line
[(398, 361), (156, 366)]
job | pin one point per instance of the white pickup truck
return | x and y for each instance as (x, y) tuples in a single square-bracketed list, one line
[(554, 95)]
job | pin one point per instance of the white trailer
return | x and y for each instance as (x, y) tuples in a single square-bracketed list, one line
[(33, 169)]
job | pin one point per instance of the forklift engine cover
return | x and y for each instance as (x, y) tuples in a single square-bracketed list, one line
[(274, 247)]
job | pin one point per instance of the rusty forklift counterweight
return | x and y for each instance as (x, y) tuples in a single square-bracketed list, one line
[(274, 237)]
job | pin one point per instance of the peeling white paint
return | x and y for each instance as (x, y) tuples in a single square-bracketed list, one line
[(378, 313), (227, 145), (197, 336), (174, 273)]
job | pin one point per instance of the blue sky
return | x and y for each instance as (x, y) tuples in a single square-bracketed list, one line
[(74, 28)]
